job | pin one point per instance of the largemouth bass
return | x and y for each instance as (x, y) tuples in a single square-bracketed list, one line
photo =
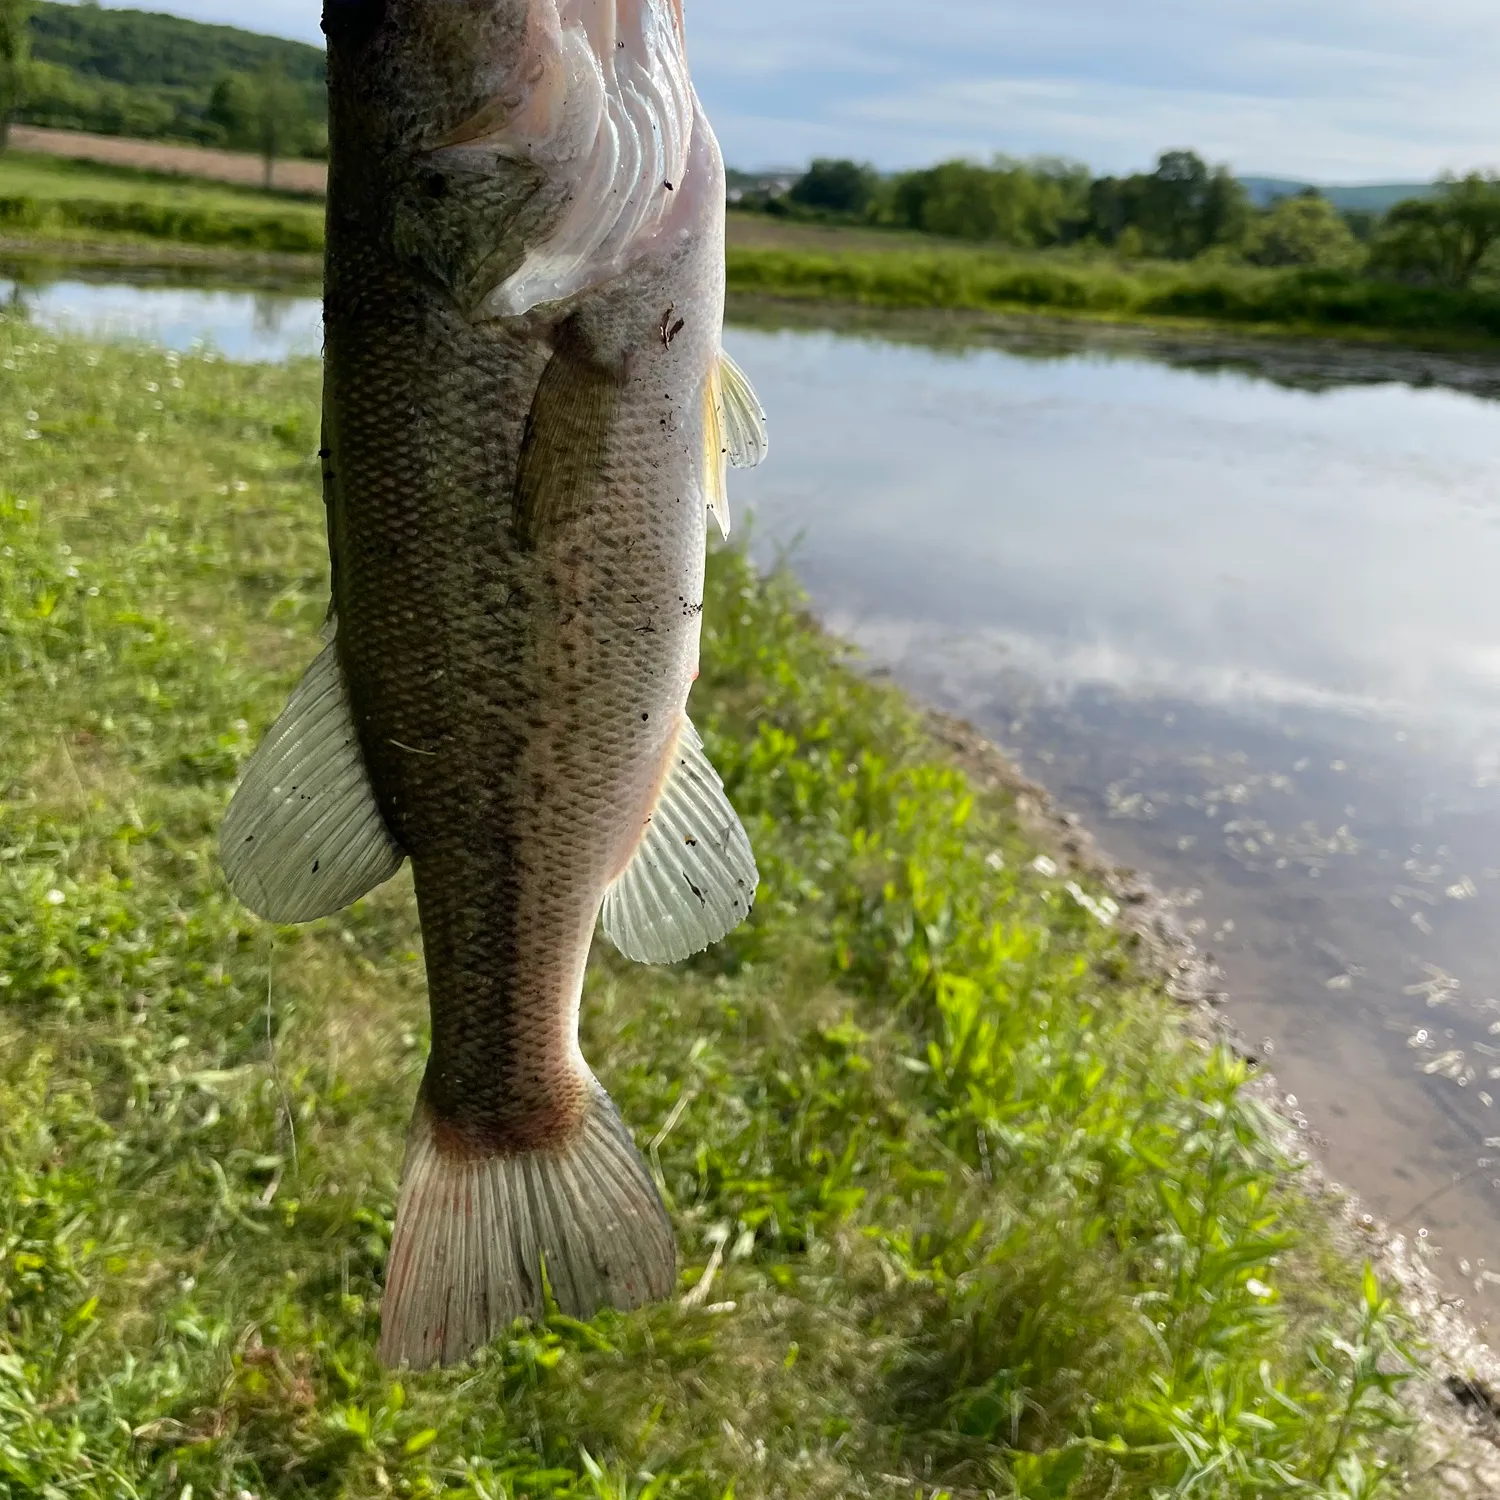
[(528, 417)]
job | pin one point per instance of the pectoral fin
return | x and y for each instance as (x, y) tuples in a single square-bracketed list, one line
[(693, 878), (734, 428), (745, 441), (566, 442), (303, 836)]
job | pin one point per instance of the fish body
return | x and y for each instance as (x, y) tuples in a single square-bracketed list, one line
[(527, 415)]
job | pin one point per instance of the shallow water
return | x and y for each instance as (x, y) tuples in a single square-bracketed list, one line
[(1246, 624), (244, 325)]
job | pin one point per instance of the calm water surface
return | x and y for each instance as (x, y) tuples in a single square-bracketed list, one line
[(1251, 632), (239, 324)]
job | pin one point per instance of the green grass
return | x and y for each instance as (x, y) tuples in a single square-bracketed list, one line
[(54, 198), (49, 201), (979, 1216), (1338, 303)]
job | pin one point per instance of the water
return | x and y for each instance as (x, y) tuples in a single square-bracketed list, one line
[(246, 325), (1252, 634), (1238, 607)]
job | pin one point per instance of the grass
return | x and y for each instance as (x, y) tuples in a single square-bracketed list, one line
[(51, 198), (867, 268), (50, 205), (963, 1209)]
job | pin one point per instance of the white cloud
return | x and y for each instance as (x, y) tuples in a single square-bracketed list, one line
[(1341, 90)]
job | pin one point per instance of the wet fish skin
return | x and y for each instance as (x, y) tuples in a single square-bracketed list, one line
[(521, 440)]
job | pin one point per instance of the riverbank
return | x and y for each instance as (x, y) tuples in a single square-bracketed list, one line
[(54, 210), (867, 268), (966, 1197)]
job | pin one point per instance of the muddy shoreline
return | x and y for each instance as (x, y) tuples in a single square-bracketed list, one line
[(1456, 1399)]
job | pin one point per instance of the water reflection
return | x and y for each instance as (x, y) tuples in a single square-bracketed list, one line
[(247, 324), (1249, 629), (1233, 601)]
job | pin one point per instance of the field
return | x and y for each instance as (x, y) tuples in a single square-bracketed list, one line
[(873, 269), (61, 202), (239, 167), (55, 208), (964, 1210)]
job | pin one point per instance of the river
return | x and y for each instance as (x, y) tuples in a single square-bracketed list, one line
[(1237, 607)]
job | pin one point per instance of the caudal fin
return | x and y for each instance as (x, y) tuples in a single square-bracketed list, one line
[(472, 1234)]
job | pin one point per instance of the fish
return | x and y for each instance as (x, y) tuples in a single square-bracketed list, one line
[(528, 422)]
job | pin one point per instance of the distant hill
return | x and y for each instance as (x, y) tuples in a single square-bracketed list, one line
[(143, 48), (142, 74), (1373, 197)]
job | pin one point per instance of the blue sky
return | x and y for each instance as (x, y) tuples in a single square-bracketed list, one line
[(1331, 90)]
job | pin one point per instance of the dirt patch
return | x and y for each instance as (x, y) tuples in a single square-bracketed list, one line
[(239, 167)]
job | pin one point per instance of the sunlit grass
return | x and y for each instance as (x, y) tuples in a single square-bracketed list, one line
[(1329, 303), (54, 198), (962, 1209)]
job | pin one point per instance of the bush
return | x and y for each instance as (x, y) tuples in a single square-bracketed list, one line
[(1305, 230), (1444, 240), (1010, 203), (291, 233), (1310, 297), (839, 187)]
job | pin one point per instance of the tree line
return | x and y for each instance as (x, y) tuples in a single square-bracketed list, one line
[(156, 77), (1184, 209)]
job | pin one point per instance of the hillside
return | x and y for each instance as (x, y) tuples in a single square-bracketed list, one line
[(145, 49), (156, 77), (1361, 197)]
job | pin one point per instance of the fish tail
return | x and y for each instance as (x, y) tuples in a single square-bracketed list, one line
[(474, 1232)]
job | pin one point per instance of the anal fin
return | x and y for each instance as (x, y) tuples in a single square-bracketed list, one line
[(693, 877), (303, 836)]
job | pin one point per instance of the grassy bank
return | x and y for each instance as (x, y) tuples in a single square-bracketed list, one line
[(43, 198), (867, 268), (51, 206), (962, 1210)]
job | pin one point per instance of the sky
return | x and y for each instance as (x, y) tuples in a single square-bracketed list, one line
[(1327, 91)]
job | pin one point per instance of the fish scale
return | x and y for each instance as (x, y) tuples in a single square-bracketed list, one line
[(525, 416)]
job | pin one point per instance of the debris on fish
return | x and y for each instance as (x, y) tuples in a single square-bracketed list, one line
[(528, 418)]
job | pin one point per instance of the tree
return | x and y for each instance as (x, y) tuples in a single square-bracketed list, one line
[(1305, 230), (1188, 206), (1446, 239), (1180, 210), (231, 107), (840, 187), (264, 112), (281, 118), (15, 53), (1009, 203)]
